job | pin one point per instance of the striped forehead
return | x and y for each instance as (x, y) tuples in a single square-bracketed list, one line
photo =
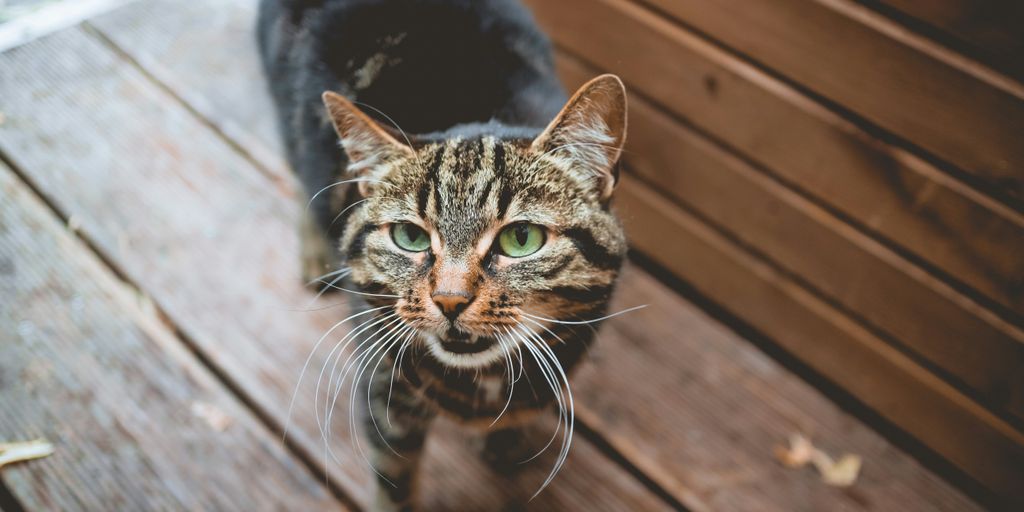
[(465, 188)]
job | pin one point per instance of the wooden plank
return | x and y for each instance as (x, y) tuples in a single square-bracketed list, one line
[(885, 189), (137, 422), (877, 374), (721, 406), (198, 228), (921, 312), (651, 433), (993, 27), (893, 78)]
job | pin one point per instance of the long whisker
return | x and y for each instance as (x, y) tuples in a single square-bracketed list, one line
[(369, 387), (383, 345), (567, 440), (342, 182), (511, 383), (329, 274), (330, 285), (357, 355), (347, 208), (310, 358), (356, 292), (339, 346), (395, 367), (399, 128), (548, 375), (584, 322), (325, 428)]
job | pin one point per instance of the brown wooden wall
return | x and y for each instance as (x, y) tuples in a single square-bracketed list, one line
[(848, 179)]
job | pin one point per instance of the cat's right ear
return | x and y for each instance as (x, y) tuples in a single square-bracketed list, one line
[(366, 144)]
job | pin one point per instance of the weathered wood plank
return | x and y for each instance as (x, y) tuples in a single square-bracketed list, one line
[(908, 202), (213, 242), (682, 446), (892, 294), (993, 27), (708, 409), (877, 374), (895, 79), (85, 365)]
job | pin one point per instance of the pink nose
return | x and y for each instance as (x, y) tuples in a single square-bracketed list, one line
[(451, 304)]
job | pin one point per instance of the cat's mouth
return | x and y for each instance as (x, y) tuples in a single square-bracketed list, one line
[(458, 342)]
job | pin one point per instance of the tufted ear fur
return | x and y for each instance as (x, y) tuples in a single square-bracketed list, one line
[(589, 132), (368, 146)]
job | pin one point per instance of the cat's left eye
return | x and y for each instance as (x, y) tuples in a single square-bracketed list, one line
[(521, 239), (410, 237)]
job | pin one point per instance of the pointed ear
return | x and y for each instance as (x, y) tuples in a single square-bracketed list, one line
[(367, 145), (589, 132)]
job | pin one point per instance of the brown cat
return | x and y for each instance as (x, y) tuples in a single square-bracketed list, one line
[(483, 245)]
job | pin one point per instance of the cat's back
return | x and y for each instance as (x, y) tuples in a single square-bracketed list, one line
[(429, 64)]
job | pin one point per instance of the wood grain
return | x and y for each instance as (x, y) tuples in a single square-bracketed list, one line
[(925, 315), (700, 410), (891, 193), (137, 422), (862, 61), (991, 27), (212, 240), (670, 429), (880, 376)]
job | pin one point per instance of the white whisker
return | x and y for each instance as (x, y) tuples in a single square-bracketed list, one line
[(310, 358), (584, 322), (342, 182), (570, 413)]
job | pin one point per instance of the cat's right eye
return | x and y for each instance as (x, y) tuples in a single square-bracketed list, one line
[(410, 237)]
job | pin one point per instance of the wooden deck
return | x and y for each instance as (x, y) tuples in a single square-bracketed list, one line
[(153, 327)]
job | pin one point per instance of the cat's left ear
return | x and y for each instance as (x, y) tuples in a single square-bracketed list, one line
[(367, 145), (589, 132)]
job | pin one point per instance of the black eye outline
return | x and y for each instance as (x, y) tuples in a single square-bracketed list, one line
[(500, 249), (405, 227)]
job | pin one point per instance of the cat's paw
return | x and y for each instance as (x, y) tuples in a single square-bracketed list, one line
[(506, 450)]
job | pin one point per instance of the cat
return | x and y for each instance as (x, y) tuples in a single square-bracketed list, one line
[(468, 205)]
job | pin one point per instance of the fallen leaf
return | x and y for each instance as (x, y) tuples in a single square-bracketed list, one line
[(18, 452), (798, 454), (841, 473)]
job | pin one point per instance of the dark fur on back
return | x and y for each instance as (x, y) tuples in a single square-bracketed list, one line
[(429, 65)]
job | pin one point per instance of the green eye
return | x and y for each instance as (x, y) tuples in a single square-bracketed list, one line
[(410, 237), (521, 239)]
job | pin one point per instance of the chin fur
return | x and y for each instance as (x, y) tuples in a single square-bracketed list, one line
[(468, 361)]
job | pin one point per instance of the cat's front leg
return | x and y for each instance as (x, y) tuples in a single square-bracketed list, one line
[(506, 449), (395, 433)]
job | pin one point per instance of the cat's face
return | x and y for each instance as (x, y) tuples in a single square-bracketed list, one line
[(475, 241)]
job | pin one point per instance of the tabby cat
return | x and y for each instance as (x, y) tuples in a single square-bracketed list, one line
[(468, 206)]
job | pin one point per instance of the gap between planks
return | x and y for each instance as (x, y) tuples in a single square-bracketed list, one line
[(959, 383), (274, 427), (885, 28), (282, 182), (311, 461)]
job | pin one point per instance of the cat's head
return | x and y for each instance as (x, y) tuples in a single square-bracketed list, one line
[(476, 240)]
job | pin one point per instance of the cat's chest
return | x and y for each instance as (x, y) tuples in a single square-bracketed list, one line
[(478, 396)]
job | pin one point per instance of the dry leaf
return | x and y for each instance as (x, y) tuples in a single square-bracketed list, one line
[(844, 472), (798, 454), (841, 473), (18, 452)]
